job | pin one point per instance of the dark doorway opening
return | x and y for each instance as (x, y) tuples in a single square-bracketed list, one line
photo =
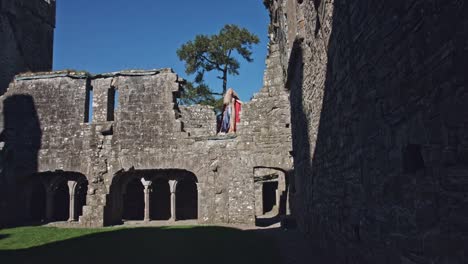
[(37, 204), (160, 200), (80, 198), (269, 196), (186, 200), (134, 203), (61, 202)]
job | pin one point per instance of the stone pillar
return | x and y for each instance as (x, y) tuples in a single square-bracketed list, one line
[(71, 192), (198, 200), (49, 204), (172, 185), (147, 185)]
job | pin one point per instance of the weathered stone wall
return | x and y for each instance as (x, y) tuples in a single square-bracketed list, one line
[(379, 105), (198, 120), (27, 34), (149, 134)]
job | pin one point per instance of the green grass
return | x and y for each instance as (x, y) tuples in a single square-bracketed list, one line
[(170, 245)]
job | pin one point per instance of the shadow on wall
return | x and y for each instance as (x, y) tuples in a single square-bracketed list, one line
[(299, 128), (395, 92), (19, 157)]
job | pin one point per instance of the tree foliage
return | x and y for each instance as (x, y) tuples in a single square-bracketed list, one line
[(214, 53)]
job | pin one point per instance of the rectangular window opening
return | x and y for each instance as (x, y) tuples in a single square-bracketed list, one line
[(88, 118), (112, 103)]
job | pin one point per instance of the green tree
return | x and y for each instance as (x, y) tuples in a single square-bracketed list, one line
[(214, 53), (194, 93)]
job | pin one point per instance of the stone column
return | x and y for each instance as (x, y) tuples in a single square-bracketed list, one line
[(71, 192), (49, 204), (147, 185), (198, 200), (172, 186)]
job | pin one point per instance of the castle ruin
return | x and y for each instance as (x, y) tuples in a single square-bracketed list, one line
[(360, 132), (112, 147)]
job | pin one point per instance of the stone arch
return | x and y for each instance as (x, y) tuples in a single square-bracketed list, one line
[(153, 184), (61, 203)]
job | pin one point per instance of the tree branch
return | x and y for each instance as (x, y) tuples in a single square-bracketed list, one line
[(212, 62)]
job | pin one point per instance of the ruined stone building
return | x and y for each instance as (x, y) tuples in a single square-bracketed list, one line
[(360, 130), (379, 116), (112, 147), (26, 37)]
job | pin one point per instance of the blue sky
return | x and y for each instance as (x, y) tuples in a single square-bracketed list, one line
[(111, 35)]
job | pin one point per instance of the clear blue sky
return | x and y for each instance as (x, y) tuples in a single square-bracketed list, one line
[(111, 35)]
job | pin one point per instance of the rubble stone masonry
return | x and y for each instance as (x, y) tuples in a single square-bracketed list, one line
[(49, 135), (379, 103)]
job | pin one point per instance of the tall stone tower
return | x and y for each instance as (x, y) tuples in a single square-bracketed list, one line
[(26, 37)]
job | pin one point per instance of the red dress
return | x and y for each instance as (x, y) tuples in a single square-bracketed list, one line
[(237, 108)]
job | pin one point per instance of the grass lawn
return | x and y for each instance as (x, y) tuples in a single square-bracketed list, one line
[(169, 245)]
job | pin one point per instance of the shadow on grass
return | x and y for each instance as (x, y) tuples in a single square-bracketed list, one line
[(2, 236), (154, 245)]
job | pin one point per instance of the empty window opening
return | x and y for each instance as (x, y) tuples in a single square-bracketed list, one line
[(89, 105), (269, 191), (37, 205), (134, 203), (412, 159), (112, 103), (80, 198), (186, 200), (160, 200), (61, 202)]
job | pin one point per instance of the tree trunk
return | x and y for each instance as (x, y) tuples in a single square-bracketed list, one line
[(224, 80)]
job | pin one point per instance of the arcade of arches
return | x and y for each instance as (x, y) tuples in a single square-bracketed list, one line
[(154, 195), (56, 196)]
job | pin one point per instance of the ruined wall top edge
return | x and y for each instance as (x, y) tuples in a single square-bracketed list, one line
[(86, 75)]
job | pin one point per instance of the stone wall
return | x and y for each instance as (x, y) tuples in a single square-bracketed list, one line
[(48, 134), (198, 120), (27, 33), (379, 105)]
